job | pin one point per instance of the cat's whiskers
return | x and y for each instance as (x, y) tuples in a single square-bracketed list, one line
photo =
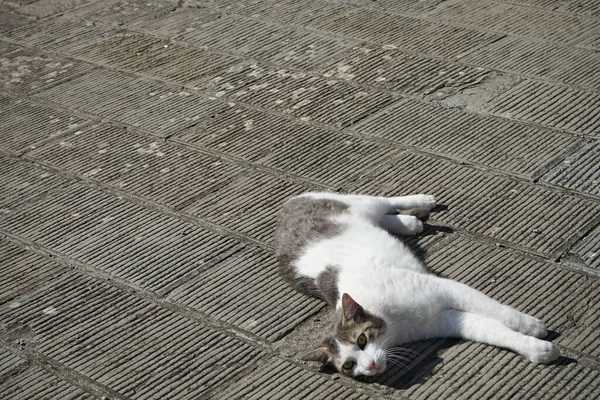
[(398, 362), (385, 342), (397, 357), (403, 349)]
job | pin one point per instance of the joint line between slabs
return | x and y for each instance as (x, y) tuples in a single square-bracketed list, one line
[(83, 269)]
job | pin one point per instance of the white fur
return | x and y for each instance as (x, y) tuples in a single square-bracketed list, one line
[(384, 277), (372, 352)]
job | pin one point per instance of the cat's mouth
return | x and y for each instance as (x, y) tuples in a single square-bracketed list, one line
[(380, 369)]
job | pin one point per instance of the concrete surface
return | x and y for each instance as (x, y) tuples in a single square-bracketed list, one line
[(146, 146)]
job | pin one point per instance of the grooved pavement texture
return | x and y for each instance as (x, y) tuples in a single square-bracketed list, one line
[(147, 145)]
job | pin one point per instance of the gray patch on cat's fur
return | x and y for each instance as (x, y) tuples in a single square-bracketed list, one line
[(350, 322), (302, 221), (347, 330), (328, 285)]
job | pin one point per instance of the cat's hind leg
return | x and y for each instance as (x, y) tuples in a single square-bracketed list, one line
[(386, 204), (412, 201), (375, 207), (466, 325)]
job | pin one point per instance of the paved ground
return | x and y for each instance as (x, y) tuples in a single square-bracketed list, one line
[(147, 145)]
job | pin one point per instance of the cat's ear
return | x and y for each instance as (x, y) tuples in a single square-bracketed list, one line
[(351, 309), (320, 354)]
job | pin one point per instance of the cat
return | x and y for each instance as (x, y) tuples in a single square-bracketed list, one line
[(341, 248)]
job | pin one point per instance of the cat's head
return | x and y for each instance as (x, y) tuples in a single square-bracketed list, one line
[(355, 345)]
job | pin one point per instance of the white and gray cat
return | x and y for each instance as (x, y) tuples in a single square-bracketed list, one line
[(339, 248)]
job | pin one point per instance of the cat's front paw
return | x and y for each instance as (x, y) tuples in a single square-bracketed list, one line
[(413, 224), (542, 352)]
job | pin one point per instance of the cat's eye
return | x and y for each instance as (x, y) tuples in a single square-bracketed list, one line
[(348, 365), (361, 341)]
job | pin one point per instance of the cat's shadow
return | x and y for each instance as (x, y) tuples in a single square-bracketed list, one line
[(420, 368), (416, 370), (417, 243)]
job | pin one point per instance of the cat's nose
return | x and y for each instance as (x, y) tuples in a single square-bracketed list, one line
[(371, 366)]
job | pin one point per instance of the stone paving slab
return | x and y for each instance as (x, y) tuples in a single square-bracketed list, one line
[(173, 24), (473, 97), (130, 161), (266, 41), (579, 172), (520, 21), (152, 56), (470, 371), (123, 12), (528, 151), (23, 70), (313, 11), (118, 237), (582, 7), (409, 33), (398, 71), (7, 48), (399, 6), (57, 34), (207, 28), (246, 290), (248, 134), (36, 383), (133, 101), (550, 105), (540, 60), (127, 50), (24, 271), (284, 380), (45, 8), (9, 364), (339, 160), (589, 250), (593, 43), (306, 13), (118, 340), (26, 124), (295, 93), (538, 219), (21, 183), (248, 205), (9, 19)]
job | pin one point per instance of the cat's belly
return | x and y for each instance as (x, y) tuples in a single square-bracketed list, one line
[(398, 294), (356, 251)]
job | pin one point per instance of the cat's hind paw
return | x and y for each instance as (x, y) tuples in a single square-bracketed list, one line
[(542, 352), (531, 326), (425, 201)]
